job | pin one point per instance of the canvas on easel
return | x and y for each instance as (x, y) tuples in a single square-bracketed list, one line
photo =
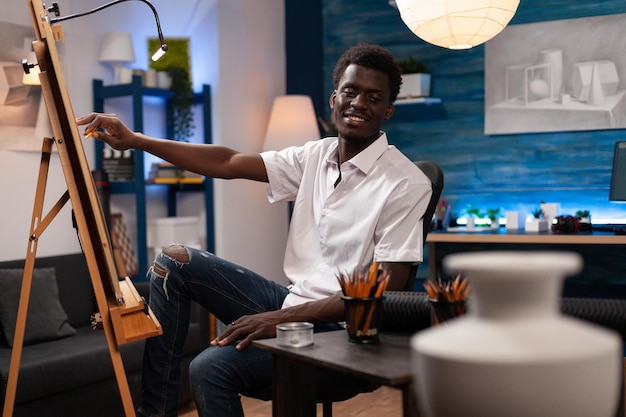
[(125, 317)]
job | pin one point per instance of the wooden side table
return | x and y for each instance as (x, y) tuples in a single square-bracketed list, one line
[(383, 363)]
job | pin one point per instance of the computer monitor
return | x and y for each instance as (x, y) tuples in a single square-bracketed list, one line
[(618, 176)]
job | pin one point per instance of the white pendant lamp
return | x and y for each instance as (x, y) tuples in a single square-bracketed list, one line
[(456, 24)]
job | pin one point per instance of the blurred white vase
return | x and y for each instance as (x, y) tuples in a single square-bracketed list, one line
[(514, 354)]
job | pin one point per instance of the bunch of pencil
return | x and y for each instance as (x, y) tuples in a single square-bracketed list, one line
[(456, 290), (360, 284), (447, 298), (365, 288)]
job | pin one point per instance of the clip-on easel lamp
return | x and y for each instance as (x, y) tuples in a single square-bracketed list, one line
[(55, 9)]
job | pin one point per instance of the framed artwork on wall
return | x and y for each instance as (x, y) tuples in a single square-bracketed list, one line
[(23, 116), (562, 75)]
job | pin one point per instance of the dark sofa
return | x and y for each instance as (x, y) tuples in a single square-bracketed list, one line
[(73, 375)]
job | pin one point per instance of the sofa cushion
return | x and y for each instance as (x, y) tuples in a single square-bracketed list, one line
[(70, 362), (46, 318)]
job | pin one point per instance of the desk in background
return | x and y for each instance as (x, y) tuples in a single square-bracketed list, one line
[(604, 254)]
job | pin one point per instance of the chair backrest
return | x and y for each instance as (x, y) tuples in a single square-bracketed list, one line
[(435, 174)]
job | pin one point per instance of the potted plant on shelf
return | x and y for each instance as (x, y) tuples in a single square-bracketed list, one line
[(415, 79), (494, 215), (472, 213), (584, 217), (176, 64), (537, 223), (180, 112)]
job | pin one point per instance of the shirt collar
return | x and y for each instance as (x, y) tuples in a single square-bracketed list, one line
[(365, 159)]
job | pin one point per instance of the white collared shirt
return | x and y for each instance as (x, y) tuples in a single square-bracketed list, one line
[(374, 212)]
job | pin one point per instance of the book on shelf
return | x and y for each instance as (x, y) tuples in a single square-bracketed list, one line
[(166, 173), (194, 180), (119, 166)]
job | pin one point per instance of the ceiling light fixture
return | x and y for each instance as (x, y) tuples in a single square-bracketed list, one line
[(456, 24)]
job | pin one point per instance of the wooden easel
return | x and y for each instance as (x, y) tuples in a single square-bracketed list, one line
[(125, 318)]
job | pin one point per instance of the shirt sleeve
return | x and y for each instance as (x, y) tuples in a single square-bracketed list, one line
[(399, 233), (284, 172)]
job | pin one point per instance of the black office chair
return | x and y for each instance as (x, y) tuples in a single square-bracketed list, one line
[(332, 386)]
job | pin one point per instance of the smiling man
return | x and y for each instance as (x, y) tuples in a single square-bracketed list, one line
[(357, 199)]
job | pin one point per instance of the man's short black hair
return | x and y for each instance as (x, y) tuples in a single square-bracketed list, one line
[(374, 57)]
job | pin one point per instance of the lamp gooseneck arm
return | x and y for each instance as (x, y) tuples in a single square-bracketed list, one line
[(159, 53)]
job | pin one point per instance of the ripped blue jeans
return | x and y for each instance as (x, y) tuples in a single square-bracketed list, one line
[(217, 375)]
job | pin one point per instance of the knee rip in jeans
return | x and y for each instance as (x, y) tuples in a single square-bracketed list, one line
[(177, 253)]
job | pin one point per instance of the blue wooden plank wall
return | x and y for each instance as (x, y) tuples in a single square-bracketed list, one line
[(511, 172)]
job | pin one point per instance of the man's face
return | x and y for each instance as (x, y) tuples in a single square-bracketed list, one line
[(361, 103)]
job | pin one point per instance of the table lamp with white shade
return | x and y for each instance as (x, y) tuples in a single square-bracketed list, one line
[(292, 122), (117, 48)]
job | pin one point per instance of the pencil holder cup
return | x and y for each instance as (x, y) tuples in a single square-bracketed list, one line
[(443, 311), (363, 318)]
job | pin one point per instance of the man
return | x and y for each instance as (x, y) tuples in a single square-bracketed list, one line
[(357, 199)]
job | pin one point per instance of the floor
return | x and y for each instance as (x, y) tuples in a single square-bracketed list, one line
[(384, 402)]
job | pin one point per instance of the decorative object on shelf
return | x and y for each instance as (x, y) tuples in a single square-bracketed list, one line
[(494, 216), (514, 220), (550, 211), (472, 213), (584, 218), (118, 165), (180, 112), (150, 78), (537, 213), (176, 64), (166, 173), (442, 215), (456, 24), (584, 214), (117, 49), (537, 223), (565, 224), (514, 353), (292, 123), (415, 79), (164, 231), (447, 299), (164, 80)]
